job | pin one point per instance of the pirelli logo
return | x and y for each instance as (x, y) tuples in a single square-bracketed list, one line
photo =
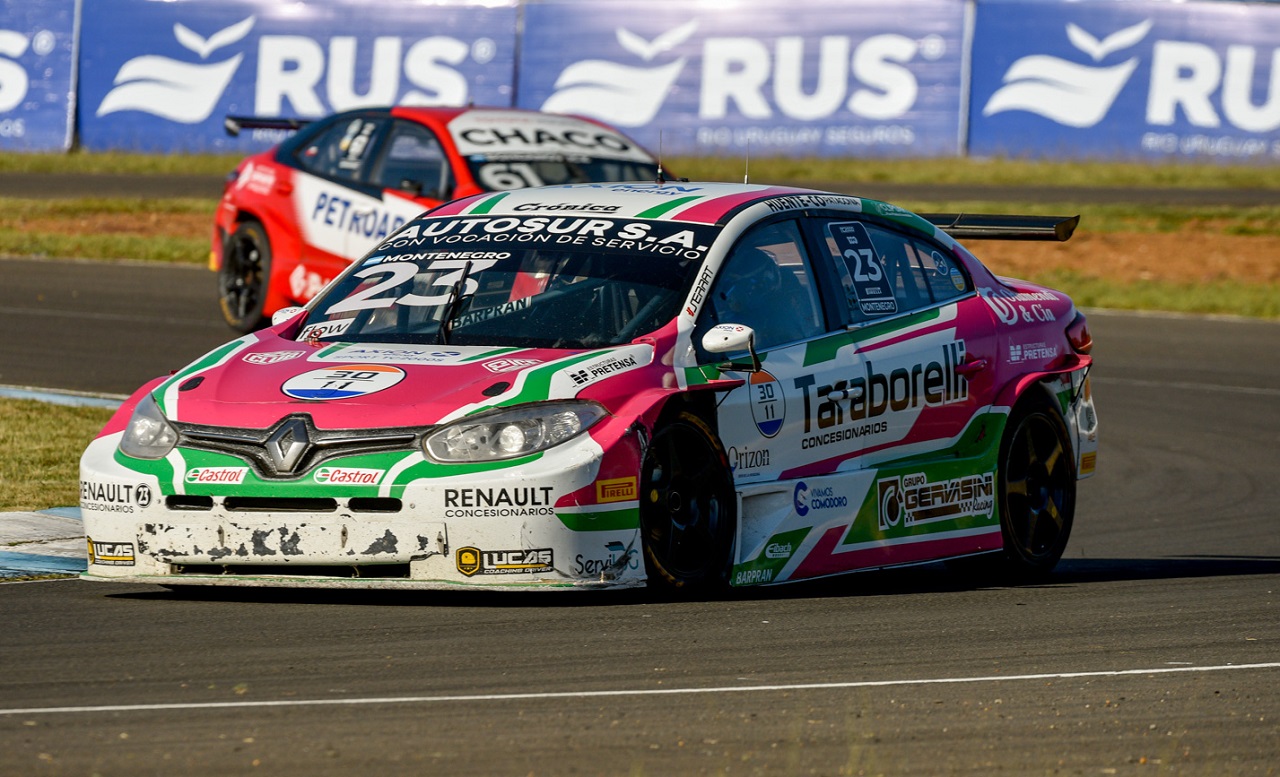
[(615, 490), (1088, 462)]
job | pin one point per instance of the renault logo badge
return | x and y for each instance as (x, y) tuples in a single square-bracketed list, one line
[(288, 444)]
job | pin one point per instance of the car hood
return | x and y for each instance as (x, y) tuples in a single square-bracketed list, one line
[(254, 382)]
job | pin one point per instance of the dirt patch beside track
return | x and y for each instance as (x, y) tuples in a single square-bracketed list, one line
[(142, 224)]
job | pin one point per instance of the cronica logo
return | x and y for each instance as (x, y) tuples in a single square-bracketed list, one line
[(1069, 93), (626, 95), (179, 91)]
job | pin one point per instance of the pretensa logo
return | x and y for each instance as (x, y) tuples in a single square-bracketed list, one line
[(615, 490)]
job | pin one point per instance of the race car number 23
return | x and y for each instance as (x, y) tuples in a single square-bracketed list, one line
[(399, 273)]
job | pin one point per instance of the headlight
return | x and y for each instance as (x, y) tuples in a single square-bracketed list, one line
[(148, 435), (508, 433)]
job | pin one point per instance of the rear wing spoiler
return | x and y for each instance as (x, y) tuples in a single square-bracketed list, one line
[(233, 124), (981, 226)]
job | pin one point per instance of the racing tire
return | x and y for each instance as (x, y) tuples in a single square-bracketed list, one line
[(1036, 489), (687, 508), (243, 277)]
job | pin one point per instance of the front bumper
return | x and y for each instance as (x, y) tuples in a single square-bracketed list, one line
[(537, 525)]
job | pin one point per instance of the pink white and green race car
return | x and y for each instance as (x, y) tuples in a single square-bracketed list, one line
[(693, 385)]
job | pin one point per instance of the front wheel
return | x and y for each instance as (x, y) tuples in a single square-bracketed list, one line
[(243, 277), (1037, 488), (687, 507)]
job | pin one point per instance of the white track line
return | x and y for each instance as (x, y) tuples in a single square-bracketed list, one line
[(632, 692)]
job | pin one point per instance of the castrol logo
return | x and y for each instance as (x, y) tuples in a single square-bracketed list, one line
[(349, 476), (216, 475)]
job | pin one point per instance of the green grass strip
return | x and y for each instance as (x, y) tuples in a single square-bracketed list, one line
[(40, 447)]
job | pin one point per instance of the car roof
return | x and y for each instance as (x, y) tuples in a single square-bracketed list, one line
[(493, 131), (698, 201)]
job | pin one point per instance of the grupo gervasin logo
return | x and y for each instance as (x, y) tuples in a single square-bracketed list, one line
[(1070, 93), (185, 92), (625, 95)]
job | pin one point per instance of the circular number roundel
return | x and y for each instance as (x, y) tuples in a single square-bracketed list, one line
[(344, 382), (768, 405)]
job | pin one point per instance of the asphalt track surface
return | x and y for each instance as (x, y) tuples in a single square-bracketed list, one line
[(1155, 646)]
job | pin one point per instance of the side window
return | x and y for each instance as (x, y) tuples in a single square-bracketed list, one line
[(767, 283), (341, 150), (942, 272), (413, 162), (885, 272)]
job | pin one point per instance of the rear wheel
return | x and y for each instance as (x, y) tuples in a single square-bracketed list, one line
[(243, 277), (687, 507), (1037, 488)]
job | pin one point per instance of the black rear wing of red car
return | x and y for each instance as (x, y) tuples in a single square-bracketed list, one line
[(233, 124), (982, 226)]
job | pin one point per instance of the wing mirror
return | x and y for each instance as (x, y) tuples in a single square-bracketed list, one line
[(732, 338), (284, 314)]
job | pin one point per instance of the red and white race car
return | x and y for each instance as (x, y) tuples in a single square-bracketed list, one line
[(293, 217)]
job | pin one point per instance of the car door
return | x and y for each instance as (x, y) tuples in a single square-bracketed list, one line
[(769, 283), (923, 348)]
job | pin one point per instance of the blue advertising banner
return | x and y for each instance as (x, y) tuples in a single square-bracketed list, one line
[(1136, 80), (37, 71), (843, 78), (161, 76)]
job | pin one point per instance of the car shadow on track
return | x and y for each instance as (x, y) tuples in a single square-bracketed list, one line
[(925, 579)]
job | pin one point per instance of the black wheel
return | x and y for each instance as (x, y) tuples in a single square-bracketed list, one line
[(687, 507), (243, 277), (1036, 488)]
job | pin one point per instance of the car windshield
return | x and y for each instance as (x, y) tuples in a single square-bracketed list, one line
[(518, 172), (528, 281)]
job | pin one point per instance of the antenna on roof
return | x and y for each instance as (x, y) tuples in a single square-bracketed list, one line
[(746, 164), (662, 178)]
